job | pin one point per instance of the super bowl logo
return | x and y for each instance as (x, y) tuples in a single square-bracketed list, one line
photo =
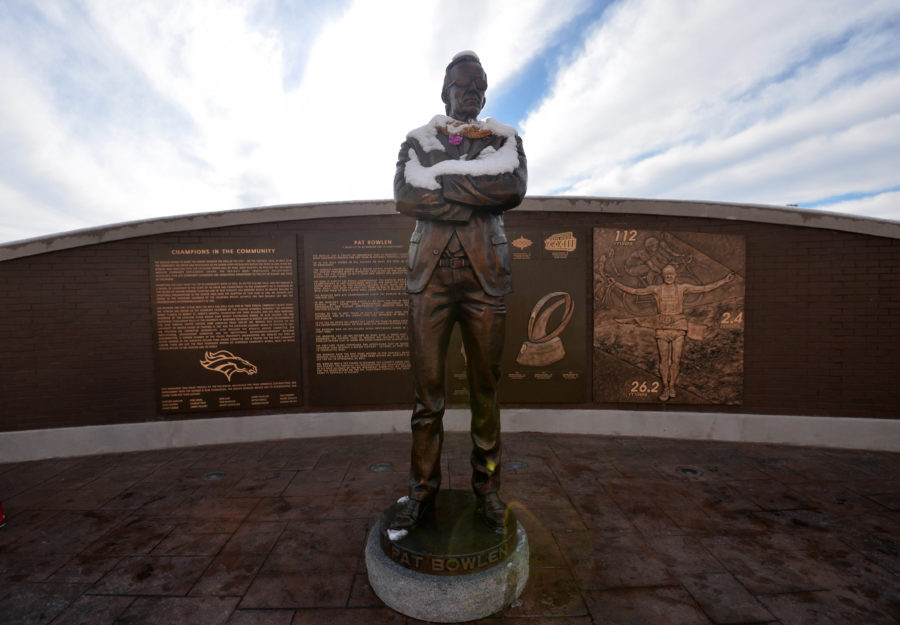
[(522, 243), (561, 242)]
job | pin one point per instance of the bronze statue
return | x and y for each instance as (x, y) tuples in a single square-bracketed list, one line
[(457, 175)]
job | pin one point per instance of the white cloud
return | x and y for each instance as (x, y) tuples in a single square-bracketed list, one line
[(882, 205), (356, 102), (707, 100), (213, 125)]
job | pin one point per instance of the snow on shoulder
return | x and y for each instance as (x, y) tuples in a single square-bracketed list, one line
[(489, 162)]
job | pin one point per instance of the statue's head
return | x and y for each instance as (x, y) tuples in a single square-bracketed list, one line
[(464, 86)]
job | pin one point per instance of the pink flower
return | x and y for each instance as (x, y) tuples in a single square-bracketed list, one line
[(455, 139)]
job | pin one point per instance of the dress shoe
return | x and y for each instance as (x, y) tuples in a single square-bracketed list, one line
[(411, 514), (492, 511)]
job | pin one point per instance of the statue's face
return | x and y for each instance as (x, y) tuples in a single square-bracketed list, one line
[(466, 92), (668, 274)]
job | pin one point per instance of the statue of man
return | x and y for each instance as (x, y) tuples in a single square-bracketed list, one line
[(670, 322), (457, 175)]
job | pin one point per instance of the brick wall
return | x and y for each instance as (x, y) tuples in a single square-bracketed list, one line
[(821, 337)]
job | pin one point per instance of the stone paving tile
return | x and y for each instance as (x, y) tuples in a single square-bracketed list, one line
[(620, 530), (136, 536), (314, 482), (334, 545), (254, 537), (774, 495), (610, 560), (27, 604), (24, 568), (550, 592), (149, 575), (667, 605), (881, 548), (382, 486), (362, 595), (184, 543), (24, 476), (156, 610), (169, 504), (200, 525), (720, 497), (581, 477), (699, 470), (842, 499), (262, 484), (684, 555), (548, 620), (261, 617), (799, 521), (772, 563), (291, 508), (362, 616), (22, 525), (343, 507), (68, 532), (891, 501), (598, 511), (85, 569), (139, 495), (54, 498), (541, 540), (228, 574), (231, 508), (299, 590), (643, 504), (90, 610), (387, 460), (557, 519), (538, 490), (837, 607), (888, 523), (723, 599), (526, 463)]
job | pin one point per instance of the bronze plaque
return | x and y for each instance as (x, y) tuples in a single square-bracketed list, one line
[(225, 316), (357, 302), (544, 355), (668, 317)]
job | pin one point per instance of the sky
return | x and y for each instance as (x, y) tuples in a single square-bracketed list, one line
[(121, 110)]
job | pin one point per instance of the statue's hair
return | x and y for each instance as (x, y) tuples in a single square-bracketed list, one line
[(466, 56)]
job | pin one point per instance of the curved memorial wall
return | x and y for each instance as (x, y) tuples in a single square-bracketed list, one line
[(636, 317)]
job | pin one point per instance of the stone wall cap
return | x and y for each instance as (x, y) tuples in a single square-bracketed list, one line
[(759, 213)]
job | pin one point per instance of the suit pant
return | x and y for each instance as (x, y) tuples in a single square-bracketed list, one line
[(454, 296)]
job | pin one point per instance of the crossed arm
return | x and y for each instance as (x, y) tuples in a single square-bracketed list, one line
[(457, 194)]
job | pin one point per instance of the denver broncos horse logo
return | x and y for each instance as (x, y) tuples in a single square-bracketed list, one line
[(227, 363)]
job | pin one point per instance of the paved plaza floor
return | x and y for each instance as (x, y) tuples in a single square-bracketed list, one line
[(622, 530)]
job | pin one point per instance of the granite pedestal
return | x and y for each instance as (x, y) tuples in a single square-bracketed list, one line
[(451, 568)]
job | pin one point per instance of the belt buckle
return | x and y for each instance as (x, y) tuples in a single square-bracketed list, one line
[(454, 262)]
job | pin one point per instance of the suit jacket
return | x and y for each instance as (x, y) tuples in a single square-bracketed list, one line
[(463, 188)]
